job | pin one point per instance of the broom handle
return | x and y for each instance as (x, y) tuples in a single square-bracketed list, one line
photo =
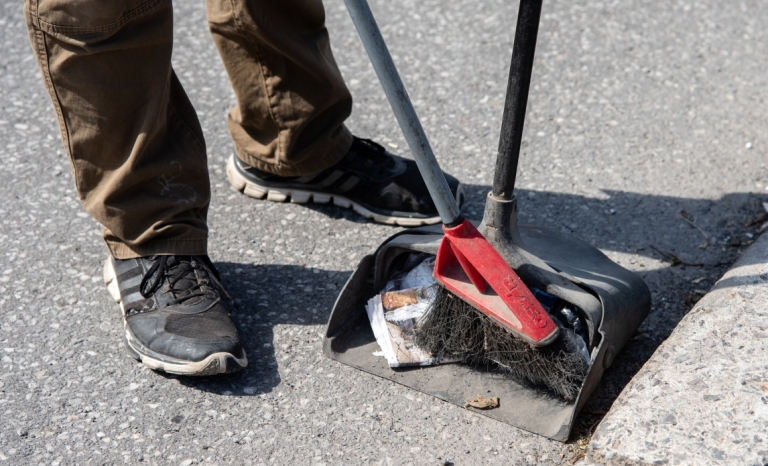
[(370, 35), (517, 98)]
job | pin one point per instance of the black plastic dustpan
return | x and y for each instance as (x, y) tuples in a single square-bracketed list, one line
[(613, 300)]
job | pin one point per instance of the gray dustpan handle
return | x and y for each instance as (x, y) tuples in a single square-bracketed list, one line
[(398, 98)]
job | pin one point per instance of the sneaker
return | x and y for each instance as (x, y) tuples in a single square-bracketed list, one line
[(376, 184), (176, 314)]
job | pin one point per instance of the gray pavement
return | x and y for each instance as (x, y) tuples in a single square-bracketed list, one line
[(639, 110)]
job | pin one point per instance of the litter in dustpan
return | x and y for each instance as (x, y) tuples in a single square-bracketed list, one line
[(410, 298), (395, 312)]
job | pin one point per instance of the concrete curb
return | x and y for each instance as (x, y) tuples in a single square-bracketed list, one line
[(702, 398)]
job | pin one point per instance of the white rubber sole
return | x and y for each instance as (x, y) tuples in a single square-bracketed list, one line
[(297, 196), (217, 363)]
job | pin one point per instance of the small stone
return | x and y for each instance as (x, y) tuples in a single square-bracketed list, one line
[(669, 419)]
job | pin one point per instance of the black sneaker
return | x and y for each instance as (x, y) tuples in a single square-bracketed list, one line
[(176, 314), (370, 180)]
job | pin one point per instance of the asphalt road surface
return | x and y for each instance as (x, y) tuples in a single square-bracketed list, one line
[(638, 110)]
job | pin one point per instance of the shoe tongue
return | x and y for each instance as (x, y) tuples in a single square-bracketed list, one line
[(186, 283), (373, 154)]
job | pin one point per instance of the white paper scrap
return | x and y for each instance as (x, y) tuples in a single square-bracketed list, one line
[(395, 337)]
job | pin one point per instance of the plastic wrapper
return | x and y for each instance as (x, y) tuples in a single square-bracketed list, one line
[(396, 311)]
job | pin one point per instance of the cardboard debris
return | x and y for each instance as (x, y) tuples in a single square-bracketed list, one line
[(394, 299)]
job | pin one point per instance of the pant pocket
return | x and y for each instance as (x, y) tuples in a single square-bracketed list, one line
[(88, 16)]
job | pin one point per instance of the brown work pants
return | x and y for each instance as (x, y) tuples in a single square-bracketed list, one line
[(135, 142)]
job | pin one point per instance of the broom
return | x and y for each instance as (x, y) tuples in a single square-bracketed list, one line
[(452, 329), (495, 318)]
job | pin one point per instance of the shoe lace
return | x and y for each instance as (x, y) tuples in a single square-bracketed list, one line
[(180, 277)]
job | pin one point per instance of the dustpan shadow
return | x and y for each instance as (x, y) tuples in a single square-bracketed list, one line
[(637, 230), (268, 296)]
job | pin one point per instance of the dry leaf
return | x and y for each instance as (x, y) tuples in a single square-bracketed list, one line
[(693, 297), (482, 403), (756, 220)]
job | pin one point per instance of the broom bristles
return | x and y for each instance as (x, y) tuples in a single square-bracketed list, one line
[(454, 329)]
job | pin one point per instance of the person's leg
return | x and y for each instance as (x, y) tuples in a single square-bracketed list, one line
[(288, 124), (134, 140), (291, 98), (140, 169)]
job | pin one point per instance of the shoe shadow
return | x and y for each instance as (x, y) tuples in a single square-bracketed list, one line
[(269, 296), (335, 212)]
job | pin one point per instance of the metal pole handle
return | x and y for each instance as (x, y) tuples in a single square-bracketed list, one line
[(370, 35), (516, 101)]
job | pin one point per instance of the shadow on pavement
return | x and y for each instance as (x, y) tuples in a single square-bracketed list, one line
[(625, 221), (637, 226), (270, 295)]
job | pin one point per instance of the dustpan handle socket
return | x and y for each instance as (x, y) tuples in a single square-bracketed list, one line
[(518, 85), (370, 35)]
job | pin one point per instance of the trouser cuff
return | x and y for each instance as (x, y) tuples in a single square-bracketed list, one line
[(180, 247), (313, 164)]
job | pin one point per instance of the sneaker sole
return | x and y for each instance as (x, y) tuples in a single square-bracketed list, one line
[(296, 196), (217, 363)]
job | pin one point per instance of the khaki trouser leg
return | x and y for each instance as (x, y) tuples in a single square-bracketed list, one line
[(291, 98), (132, 135)]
